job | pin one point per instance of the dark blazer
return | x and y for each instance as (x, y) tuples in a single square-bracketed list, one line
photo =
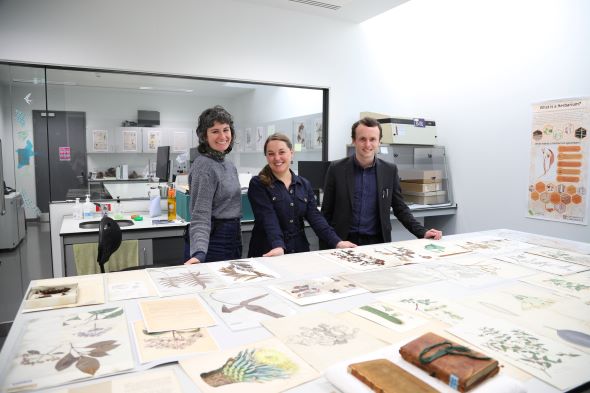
[(338, 199), (279, 214)]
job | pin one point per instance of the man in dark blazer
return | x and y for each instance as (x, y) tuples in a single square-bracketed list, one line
[(360, 190)]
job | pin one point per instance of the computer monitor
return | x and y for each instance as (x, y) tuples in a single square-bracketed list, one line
[(314, 171), (193, 153), (163, 163)]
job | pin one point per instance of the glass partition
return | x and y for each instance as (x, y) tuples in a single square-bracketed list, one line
[(97, 132), (22, 91)]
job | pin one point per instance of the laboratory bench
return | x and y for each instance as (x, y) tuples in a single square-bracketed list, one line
[(159, 241)]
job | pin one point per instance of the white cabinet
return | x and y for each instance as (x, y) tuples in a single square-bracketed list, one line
[(179, 139), (138, 140)]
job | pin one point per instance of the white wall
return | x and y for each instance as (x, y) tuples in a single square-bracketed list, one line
[(473, 66), (476, 67), (221, 38)]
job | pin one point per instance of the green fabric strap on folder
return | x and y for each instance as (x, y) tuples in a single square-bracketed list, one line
[(86, 254)]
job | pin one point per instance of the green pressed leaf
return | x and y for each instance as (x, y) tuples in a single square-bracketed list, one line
[(103, 311), (65, 362), (383, 315), (115, 314), (152, 334), (33, 352), (88, 365)]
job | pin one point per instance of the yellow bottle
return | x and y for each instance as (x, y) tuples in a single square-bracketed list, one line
[(171, 203)]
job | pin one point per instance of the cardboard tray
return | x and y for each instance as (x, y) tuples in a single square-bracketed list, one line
[(51, 296)]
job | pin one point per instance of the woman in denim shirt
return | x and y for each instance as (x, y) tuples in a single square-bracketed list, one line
[(280, 201)]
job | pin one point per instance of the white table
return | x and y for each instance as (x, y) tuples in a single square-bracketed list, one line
[(227, 338)]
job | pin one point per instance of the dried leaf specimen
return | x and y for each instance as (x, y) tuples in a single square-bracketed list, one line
[(526, 346), (357, 258), (59, 349), (174, 339), (388, 314), (192, 279), (323, 334), (243, 271), (183, 279)]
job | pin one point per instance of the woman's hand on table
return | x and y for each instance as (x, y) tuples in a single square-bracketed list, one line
[(275, 252), (345, 244)]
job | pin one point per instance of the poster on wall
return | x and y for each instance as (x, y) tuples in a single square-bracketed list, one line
[(316, 134), (299, 135), (65, 153), (129, 140), (260, 138), (153, 140), (250, 140), (100, 140), (558, 175), (180, 141)]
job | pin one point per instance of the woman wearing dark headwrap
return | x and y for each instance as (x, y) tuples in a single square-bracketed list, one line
[(216, 204)]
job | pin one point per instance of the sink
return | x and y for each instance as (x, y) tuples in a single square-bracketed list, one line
[(96, 224)]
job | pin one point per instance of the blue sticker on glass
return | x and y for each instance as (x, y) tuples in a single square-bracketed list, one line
[(20, 118), (454, 382)]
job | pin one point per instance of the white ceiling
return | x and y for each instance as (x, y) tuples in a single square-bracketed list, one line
[(356, 11)]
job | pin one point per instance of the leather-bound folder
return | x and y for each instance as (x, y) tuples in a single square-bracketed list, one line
[(456, 365), (383, 376)]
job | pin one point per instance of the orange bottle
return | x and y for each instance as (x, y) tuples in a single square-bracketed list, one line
[(171, 203)]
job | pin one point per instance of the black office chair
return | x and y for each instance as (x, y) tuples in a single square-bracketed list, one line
[(109, 240)]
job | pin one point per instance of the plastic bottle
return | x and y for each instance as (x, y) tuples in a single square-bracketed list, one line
[(171, 203), (77, 214), (117, 210), (155, 209), (88, 208)]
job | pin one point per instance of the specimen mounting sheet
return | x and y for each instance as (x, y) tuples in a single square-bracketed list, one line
[(171, 344), (245, 307), (321, 338), (263, 367), (556, 364), (178, 313), (58, 349)]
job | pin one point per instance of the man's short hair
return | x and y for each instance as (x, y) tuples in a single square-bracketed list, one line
[(368, 122)]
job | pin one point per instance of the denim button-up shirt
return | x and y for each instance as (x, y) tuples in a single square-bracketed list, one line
[(279, 214)]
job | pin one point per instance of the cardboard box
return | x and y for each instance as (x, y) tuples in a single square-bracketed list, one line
[(421, 187), (427, 198), (420, 175)]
